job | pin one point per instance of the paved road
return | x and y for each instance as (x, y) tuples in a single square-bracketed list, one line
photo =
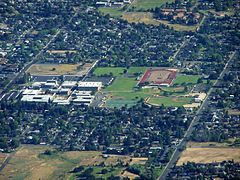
[(176, 154)]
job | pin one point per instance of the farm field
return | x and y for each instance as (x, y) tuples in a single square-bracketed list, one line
[(209, 154), (148, 4), (59, 69), (29, 162), (169, 101)]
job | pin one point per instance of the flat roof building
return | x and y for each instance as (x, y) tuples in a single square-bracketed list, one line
[(89, 86), (69, 84), (37, 98)]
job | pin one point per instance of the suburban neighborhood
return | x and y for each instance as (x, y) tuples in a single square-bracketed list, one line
[(119, 89)]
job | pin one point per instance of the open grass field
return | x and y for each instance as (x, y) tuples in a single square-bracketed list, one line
[(177, 90), (169, 101), (186, 79), (140, 17), (114, 12), (58, 69), (148, 4), (208, 155), (133, 70), (122, 84), (115, 71), (130, 175), (122, 92), (233, 112), (178, 27), (147, 18), (29, 162)]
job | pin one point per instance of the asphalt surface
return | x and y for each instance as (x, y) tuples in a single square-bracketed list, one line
[(177, 152)]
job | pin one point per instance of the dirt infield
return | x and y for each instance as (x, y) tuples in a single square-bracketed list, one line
[(158, 77)]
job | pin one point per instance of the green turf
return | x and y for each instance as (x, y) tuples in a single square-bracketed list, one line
[(122, 84), (118, 103), (133, 70), (123, 92), (116, 71), (170, 101), (149, 4), (187, 79), (114, 12), (173, 89)]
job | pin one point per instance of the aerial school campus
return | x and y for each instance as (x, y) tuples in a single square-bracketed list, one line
[(152, 85), (119, 89), (112, 86)]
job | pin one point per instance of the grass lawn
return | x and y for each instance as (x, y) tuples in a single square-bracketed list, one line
[(149, 4), (122, 84), (174, 89), (133, 70), (123, 92), (188, 79), (170, 101), (116, 71), (114, 12)]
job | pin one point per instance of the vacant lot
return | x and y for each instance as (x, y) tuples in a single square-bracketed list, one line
[(147, 18), (208, 155), (29, 162), (140, 17), (53, 69), (233, 112)]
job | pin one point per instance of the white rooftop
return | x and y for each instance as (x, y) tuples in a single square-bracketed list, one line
[(69, 83), (32, 92), (37, 98), (90, 84)]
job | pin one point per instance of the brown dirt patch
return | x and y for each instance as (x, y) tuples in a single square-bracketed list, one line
[(208, 155)]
